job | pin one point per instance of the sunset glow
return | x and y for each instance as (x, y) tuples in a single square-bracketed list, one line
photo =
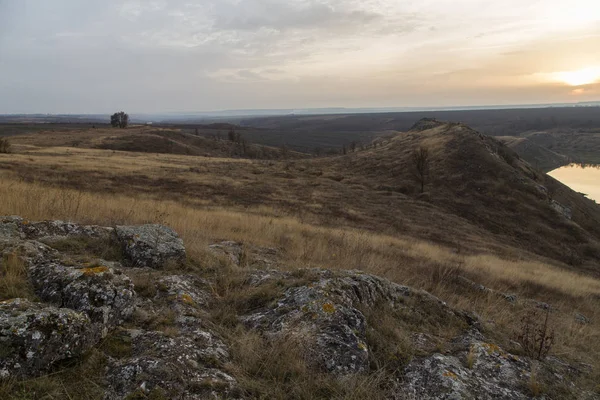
[(580, 77), (267, 54)]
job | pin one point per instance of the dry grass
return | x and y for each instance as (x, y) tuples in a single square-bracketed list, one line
[(277, 369), (404, 260), (13, 278), (77, 380), (339, 227)]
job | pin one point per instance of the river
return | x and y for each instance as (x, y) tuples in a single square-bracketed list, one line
[(585, 180)]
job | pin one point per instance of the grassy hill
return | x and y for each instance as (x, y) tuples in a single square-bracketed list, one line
[(486, 216), (538, 156), (210, 140), (478, 179)]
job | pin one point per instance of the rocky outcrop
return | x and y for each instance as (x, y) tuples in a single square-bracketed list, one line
[(562, 210), (164, 342), (181, 357), (326, 318), (152, 246), (484, 371), (102, 292), (35, 336), (182, 367)]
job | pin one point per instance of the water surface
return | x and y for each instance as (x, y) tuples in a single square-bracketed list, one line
[(581, 179)]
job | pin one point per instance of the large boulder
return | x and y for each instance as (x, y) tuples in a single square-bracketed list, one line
[(325, 315), (10, 229), (102, 292), (34, 336), (179, 357), (153, 246), (484, 372), (184, 367)]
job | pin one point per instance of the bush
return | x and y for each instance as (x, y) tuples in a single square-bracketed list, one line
[(4, 146), (535, 335)]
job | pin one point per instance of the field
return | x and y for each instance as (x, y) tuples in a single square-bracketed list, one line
[(360, 211)]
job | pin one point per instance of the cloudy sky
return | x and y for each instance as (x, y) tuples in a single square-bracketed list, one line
[(75, 56)]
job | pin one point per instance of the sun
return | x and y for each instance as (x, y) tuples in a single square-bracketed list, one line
[(580, 77)]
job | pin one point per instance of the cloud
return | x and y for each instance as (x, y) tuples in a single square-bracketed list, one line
[(72, 55)]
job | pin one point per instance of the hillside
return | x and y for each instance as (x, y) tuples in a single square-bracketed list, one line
[(538, 156), (211, 140), (296, 276), (478, 179), (480, 196)]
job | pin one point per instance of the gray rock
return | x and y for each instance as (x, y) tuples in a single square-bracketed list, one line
[(102, 292), (582, 319), (186, 289), (33, 337), (182, 367), (511, 298), (50, 229), (324, 317), (230, 249), (152, 246), (246, 255), (9, 229), (562, 210), (492, 374)]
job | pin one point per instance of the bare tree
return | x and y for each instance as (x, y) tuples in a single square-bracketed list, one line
[(119, 120), (421, 164)]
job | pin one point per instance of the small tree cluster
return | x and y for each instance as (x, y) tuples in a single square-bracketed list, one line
[(119, 120), (4, 145)]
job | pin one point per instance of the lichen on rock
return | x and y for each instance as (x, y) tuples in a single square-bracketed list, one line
[(34, 336), (152, 246)]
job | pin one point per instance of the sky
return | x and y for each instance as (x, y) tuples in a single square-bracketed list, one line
[(98, 56)]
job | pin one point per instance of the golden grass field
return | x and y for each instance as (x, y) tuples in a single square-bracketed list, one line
[(287, 205)]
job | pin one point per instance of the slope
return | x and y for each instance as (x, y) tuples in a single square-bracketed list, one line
[(147, 139), (480, 180), (538, 156)]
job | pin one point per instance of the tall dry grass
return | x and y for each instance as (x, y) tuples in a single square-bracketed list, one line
[(304, 245), (401, 259)]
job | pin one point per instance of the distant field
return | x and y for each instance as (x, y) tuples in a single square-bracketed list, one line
[(557, 135)]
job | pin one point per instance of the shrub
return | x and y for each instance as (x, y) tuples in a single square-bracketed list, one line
[(4, 146), (535, 334)]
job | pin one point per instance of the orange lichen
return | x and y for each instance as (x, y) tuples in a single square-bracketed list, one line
[(491, 348), (450, 374), (94, 270), (329, 308), (186, 298)]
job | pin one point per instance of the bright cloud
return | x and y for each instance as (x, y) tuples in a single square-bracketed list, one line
[(74, 56)]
